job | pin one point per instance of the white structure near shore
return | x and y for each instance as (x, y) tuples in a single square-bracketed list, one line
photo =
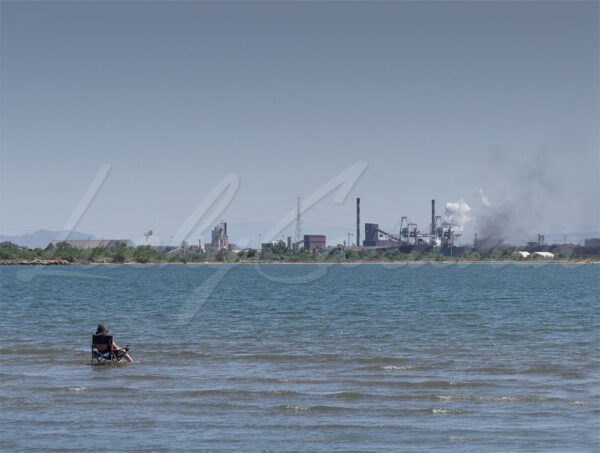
[(543, 255)]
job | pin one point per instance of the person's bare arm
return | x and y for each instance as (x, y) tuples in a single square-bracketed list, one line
[(117, 348)]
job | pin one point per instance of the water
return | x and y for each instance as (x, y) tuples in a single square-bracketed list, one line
[(302, 358)]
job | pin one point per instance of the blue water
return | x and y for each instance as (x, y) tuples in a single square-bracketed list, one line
[(465, 358)]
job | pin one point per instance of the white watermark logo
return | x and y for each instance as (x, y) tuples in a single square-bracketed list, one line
[(343, 183)]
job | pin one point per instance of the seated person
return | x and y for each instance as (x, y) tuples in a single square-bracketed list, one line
[(119, 352)]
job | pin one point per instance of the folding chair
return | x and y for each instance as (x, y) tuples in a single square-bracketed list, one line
[(103, 350)]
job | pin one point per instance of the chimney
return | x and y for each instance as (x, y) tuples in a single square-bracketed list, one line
[(358, 222), (432, 216)]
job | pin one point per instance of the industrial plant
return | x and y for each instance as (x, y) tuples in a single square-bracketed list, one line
[(437, 237), (439, 234)]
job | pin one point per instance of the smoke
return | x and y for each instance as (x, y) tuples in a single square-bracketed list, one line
[(499, 222), (496, 222), (457, 214), (526, 198), (484, 199)]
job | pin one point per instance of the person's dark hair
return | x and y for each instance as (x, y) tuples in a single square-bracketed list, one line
[(102, 330)]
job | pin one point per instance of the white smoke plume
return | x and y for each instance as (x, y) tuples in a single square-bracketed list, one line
[(457, 214), (485, 201)]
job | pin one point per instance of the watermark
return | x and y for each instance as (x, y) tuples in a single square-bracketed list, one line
[(342, 184), (211, 208)]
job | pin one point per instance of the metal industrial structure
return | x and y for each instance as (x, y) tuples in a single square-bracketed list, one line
[(357, 223), (441, 233), (298, 238), (219, 238), (540, 241), (147, 235)]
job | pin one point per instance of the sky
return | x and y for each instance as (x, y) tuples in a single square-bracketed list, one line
[(492, 103)]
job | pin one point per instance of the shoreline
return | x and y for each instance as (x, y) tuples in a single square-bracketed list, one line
[(209, 263)]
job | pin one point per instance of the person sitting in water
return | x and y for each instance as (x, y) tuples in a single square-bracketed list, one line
[(119, 352)]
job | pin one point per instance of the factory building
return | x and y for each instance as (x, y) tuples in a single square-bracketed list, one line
[(371, 234), (592, 242), (314, 242), (219, 239), (374, 237)]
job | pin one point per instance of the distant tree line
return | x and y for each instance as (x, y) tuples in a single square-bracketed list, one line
[(120, 253)]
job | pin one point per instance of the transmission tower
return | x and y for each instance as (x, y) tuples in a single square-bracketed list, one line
[(299, 236), (147, 234)]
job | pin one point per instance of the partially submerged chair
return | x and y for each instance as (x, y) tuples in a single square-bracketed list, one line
[(103, 349)]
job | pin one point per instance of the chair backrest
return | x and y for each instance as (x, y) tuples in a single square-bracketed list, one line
[(102, 340)]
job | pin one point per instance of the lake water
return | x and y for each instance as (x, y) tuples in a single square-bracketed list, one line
[(402, 357)]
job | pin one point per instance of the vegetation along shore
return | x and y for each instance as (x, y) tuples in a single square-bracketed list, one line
[(63, 254)]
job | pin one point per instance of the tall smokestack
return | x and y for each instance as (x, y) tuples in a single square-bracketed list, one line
[(358, 222), (432, 216)]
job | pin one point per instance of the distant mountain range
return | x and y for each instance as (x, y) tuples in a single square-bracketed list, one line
[(41, 238)]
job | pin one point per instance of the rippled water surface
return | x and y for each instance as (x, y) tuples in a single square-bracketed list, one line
[(302, 358)]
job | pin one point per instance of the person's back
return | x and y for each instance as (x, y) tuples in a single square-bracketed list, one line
[(102, 343), (101, 347), (104, 347)]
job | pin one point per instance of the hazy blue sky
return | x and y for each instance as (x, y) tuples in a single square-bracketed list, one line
[(439, 99)]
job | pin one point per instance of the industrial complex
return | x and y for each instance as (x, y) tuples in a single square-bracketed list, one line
[(439, 234), (407, 238)]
